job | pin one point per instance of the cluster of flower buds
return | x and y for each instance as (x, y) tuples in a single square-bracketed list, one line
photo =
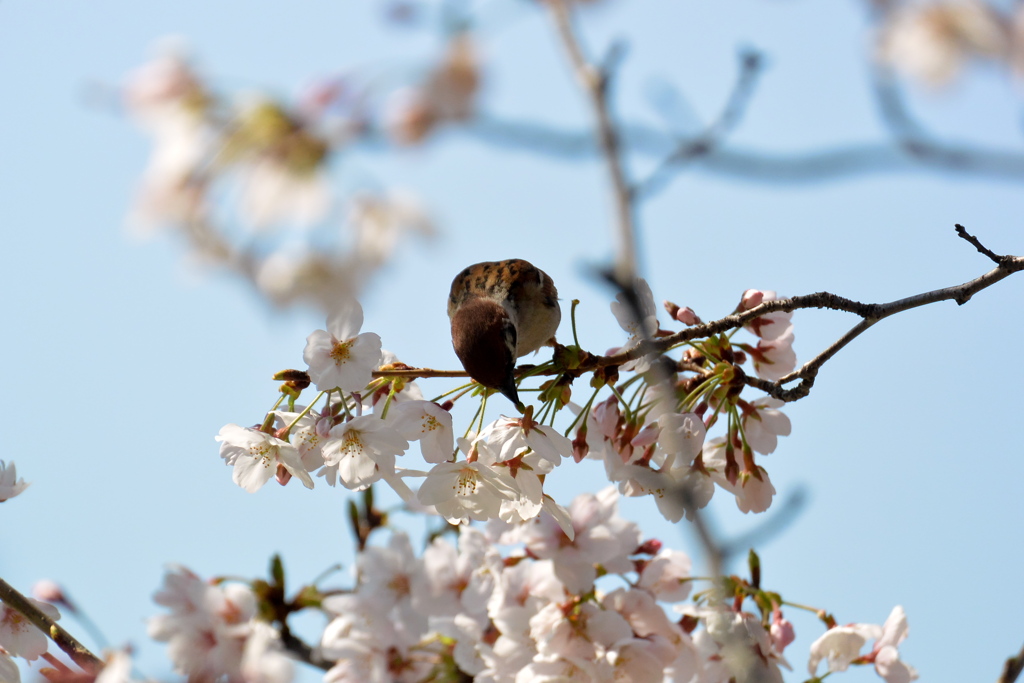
[(655, 442)]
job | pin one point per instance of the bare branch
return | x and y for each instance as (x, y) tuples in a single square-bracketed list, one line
[(595, 82), (78, 653)]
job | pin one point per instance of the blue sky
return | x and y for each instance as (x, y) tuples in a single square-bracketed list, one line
[(123, 360)]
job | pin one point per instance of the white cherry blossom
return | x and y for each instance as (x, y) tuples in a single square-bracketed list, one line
[(363, 449), (19, 636), (257, 456), (340, 357), (428, 423)]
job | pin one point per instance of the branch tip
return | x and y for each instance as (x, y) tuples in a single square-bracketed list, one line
[(961, 231)]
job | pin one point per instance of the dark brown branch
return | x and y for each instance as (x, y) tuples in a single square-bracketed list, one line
[(1012, 668), (302, 651), (78, 653), (962, 232)]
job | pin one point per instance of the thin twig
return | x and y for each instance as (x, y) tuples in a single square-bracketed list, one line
[(713, 135), (78, 653)]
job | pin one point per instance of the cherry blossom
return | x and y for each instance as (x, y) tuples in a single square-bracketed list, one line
[(428, 423), (771, 325), (840, 645), (667, 576), (464, 490), (258, 456), (931, 42), (887, 657), (363, 449), (10, 485), (600, 537), (510, 437), (340, 357), (18, 636), (763, 424), (207, 628), (775, 359), (8, 669)]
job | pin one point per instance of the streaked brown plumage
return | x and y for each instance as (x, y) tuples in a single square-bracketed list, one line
[(501, 311)]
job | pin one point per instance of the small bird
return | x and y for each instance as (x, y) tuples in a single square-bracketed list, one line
[(501, 311)]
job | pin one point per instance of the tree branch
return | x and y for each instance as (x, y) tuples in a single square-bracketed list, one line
[(1012, 668), (78, 653), (595, 82), (869, 313)]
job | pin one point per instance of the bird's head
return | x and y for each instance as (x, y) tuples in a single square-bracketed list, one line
[(484, 337)]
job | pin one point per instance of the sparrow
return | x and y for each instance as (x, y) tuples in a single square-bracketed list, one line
[(501, 311)]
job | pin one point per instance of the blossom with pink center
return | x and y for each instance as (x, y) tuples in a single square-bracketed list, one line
[(428, 423), (208, 626), (667, 576), (776, 358), (258, 456), (19, 636), (363, 450), (340, 357), (457, 580), (600, 537), (10, 485), (753, 488), (771, 325), (764, 424)]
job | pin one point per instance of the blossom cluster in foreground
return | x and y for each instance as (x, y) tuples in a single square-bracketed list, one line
[(604, 605)]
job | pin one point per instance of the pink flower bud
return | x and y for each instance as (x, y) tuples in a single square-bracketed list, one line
[(49, 591), (283, 475), (651, 546), (687, 316), (781, 631), (751, 298)]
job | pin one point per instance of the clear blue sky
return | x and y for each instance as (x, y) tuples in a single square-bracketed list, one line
[(122, 361)]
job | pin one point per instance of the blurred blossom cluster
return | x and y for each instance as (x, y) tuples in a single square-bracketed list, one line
[(599, 605), (932, 42), (246, 178)]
